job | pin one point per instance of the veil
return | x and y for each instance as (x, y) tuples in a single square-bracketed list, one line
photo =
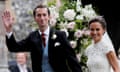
[(107, 39)]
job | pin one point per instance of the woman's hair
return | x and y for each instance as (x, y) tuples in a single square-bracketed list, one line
[(99, 19)]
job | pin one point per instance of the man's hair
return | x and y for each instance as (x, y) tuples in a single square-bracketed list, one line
[(25, 54), (40, 6)]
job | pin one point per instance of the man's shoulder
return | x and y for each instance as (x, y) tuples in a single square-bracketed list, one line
[(34, 33), (13, 67), (59, 32)]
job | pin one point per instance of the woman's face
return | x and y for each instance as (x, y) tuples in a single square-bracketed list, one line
[(96, 31)]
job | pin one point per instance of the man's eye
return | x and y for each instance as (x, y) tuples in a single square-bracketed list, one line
[(97, 29), (44, 14), (39, 15)]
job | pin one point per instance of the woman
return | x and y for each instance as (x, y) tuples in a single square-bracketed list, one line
[(101, 54)]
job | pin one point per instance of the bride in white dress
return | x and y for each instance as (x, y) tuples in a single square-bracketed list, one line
[(101, 54)]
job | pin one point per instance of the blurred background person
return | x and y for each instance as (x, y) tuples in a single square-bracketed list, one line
[(21, 63)]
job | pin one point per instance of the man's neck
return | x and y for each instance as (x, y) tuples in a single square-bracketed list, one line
[(42, 29)]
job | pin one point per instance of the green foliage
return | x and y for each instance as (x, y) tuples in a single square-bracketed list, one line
[(52, 2), (80, 25), (66, 5)]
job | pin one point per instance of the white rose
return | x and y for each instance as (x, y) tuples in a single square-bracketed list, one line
[(73, 44), (52, 22), (78, 33), (71, 25), (86, 32), (78, 57), (79, 17), (69, 14)]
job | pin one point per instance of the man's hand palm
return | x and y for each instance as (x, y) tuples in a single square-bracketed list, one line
[(7, 20)]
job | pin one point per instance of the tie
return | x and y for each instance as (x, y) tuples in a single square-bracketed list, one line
[(43, 39)]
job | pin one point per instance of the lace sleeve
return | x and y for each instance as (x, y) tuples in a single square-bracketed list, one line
[(107, 43), (107, 48)]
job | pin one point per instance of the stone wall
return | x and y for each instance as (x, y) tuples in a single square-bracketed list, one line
[(24, 21)]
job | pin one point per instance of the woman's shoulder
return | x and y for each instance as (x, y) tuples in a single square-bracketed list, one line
[(106, 46)]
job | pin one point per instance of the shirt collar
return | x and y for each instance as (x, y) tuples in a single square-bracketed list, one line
[(46, 32), (25, 66)]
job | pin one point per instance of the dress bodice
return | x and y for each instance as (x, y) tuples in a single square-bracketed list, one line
[(97, 59)]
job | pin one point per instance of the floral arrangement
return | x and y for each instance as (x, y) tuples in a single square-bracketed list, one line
[(72, 18)]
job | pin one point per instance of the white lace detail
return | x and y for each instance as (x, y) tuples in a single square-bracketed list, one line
[(97, 60)]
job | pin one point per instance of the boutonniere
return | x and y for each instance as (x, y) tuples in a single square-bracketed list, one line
[(57, 44), (54, 36)]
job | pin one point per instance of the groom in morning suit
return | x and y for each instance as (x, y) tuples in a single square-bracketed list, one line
[(50, 50)]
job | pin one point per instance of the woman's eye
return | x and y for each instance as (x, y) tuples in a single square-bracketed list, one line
[(92, 29), (97, 29)]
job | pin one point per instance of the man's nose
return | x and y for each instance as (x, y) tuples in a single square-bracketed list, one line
[(42, 17)]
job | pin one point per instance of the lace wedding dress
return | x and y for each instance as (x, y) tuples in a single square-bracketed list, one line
[(97, 59)]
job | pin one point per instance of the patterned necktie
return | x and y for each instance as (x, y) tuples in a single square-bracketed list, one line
[(43, 39)]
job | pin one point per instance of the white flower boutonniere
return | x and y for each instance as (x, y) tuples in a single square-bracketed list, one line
[(54, 36), (57, 44)]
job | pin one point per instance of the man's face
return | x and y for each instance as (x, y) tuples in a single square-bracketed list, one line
[(21, 58), (42, 17)]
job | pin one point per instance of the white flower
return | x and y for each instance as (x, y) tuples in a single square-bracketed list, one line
[(71, 25), (86, 32), (57, 44), (79, 17), (88, 12), (78, 57), (73, 44), (52, 22), (53, 12), (78, 33), (78, 4), (69, 14), (54, 36)]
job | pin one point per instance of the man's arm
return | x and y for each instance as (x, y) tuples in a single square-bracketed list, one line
[(70, 54), (12, 44), (18, 46)]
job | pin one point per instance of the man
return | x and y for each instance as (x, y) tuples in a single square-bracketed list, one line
[(109, 10), (50, 49), (21, 63)]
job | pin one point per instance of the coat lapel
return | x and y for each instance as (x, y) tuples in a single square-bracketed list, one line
[(50, 43), (39, 42), (17, 69)]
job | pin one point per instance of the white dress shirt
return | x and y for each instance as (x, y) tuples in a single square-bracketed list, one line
[(46, 67), (22, 68)]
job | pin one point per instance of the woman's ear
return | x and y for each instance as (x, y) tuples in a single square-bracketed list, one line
[(104, 31)]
